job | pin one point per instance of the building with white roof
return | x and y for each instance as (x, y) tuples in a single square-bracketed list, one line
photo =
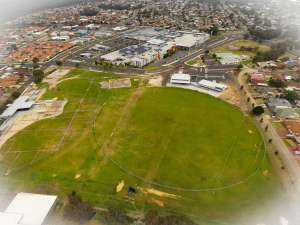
[(155, 41), (180, 78), (60, 38), (122, 28), (28, 209), (21, 103), (212, 85), (190, 40), (10, 218), (135, 55), (229, 58)]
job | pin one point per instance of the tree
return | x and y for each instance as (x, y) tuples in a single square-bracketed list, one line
[(77, 210), (16, 94), (258, 110), (35, 63), (38, 75), (214, 30), (239, 67), (89, 12), (116, 217), (59, 63), (276, 83), (153, 218), (291, 96)]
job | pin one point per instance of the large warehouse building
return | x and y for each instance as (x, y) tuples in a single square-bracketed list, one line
[(155, 44)]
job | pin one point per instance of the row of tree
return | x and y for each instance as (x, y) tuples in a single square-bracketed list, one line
[(260, 34), (274, 53)]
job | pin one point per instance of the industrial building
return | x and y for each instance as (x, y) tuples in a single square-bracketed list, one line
[(229, 58), (135, 55), (212, 85), (21, 103), (28, 209), (155, 44), (180, 78)]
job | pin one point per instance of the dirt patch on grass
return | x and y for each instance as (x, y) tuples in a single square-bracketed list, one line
[(116, 83), (41, 110), (158, 193), (155, 81), (232, 96), (53, 78), (158, 202), (77, 176), (120, 186)]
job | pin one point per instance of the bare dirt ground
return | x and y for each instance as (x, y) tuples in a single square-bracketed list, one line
[(41, 110), (120, 186), (232, 96), (53, 78), (116, 83), (155, 81), (158, 193)]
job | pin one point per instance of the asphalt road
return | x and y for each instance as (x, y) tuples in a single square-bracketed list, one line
[(284, 153), (214, 71)]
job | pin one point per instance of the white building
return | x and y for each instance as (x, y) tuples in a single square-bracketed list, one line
[(180, 78), (86, 55), (190, 40), (28, 209), (21, 103), (60, 38), (122, 28), (212, 85), (229, 58)]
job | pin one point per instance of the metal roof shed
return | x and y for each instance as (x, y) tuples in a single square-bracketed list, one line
[(34, 208), (20, 103), (180, 78), (213, 85)]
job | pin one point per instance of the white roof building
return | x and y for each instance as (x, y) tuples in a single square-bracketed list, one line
[(122, 28), (212, 85), (27, 209), (189, 40), (60, 38), (180, 78), (229, 58), (155, 41), (10, 218), (20, 103)]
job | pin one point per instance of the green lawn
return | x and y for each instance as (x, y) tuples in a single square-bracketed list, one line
[(234, 47), (195, 61), (150, 68), (192, 145)]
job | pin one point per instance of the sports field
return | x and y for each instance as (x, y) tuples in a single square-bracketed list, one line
[(203, 157)]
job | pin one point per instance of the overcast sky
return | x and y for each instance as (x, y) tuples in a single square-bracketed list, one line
[(12, 8)]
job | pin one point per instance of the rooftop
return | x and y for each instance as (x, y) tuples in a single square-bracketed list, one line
[(180, 76), (229, 58), (20, 103), (212, 84), (19, 213), (279, 103), (10, 218)]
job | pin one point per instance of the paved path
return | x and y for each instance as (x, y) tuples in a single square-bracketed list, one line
[(285, 155)]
